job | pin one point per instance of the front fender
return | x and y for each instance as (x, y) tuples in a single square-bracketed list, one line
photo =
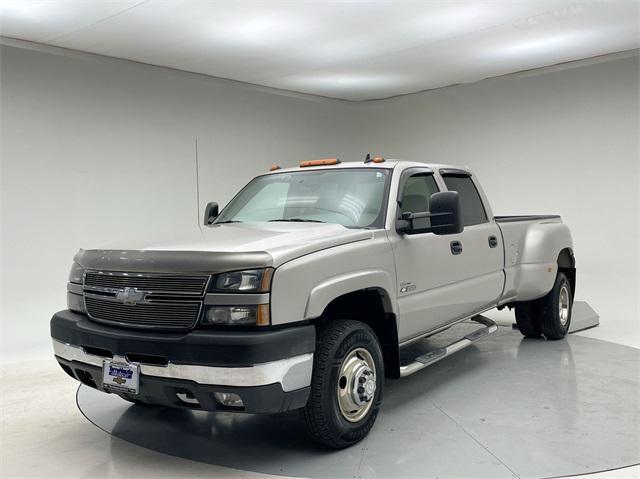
[(303, 287), (325, 292)]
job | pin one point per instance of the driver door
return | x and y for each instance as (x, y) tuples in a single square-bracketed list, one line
[(428, 273)]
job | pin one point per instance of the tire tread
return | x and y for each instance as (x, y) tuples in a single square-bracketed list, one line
[(329, 338), (539, 317)]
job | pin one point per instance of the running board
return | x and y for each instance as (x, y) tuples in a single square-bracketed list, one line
[(436, 355)]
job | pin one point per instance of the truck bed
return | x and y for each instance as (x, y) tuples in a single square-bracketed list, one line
[(514, 218)]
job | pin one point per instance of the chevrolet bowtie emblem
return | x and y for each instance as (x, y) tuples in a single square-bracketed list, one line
[(130, 296)]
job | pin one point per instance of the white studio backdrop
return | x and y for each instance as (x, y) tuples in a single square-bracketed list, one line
[(551, 141), (96, 150)]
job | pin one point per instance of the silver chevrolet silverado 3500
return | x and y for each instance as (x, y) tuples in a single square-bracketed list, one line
[(301, 293)]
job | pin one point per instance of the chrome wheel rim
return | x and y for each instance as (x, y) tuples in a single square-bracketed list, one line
[(356, 385), (563, 305)]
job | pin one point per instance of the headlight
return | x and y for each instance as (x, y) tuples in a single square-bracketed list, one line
[(76, 275), (245, 315), (248, 281)]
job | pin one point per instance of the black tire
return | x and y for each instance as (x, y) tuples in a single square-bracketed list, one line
[(542, 316), (324, 420), (527, 320), (551, 323)]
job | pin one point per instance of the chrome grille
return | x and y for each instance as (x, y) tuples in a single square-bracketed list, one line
[(153, 283), (142, 300), (170, 315)]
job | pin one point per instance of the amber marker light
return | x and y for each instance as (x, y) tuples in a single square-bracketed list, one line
[(323, 162), (263, 317), (265, 283)]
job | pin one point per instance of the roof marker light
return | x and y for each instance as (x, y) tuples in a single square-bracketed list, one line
[(375, 159), (274, 167), (323, 162)]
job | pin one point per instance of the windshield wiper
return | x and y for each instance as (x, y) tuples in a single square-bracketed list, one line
[(299, 220), (227, 221)]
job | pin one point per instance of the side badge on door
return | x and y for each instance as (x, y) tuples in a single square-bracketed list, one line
[(407, 287)]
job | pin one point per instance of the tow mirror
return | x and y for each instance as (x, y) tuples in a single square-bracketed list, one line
[(445, 215), (210, 213)]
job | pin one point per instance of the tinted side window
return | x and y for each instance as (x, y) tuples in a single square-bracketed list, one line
[(416, 196), (472, 209)]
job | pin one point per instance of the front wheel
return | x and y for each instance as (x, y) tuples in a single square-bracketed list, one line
[(346, 386)]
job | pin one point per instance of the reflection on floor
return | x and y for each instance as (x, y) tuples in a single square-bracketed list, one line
[(44, 435), (504, 407)]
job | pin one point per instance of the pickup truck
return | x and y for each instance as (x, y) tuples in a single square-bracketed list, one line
[(303, 290)]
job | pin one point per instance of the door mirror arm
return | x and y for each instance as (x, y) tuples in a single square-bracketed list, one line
[(210, 213), (404, 225), (445, 215)]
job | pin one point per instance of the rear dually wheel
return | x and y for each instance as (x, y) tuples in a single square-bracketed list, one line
[(550, 315)]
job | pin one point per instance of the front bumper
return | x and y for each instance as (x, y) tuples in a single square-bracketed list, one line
[(270, 370)]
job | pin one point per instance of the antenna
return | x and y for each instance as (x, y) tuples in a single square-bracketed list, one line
[(197, 187)]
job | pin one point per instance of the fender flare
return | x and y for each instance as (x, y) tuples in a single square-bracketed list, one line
[(323, 293), (544, 242)]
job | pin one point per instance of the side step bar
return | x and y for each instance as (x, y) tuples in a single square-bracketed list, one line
[(436, 355)]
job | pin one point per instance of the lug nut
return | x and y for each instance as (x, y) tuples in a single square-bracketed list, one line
[(361, 379)]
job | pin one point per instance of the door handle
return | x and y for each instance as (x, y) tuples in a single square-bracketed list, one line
[(456, 247), (493, 241)]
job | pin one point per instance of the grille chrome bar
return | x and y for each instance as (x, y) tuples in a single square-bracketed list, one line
[(141, 300), (150, 283), (180, 315)]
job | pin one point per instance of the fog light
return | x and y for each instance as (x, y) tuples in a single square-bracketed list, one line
[(229, 400), (232, 315)]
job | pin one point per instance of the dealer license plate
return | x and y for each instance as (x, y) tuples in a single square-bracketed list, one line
[(120, 376)]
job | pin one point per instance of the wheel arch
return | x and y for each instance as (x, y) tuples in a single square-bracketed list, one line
[(372, 307), (544, 242), (567, 265)]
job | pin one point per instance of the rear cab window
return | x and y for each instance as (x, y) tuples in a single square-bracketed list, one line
[(473, 212)]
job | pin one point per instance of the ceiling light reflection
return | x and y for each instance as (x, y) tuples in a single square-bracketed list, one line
[(542, 44), (343, 80), (265, 29)]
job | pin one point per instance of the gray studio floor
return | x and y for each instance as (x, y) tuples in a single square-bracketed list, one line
[(505, 407)]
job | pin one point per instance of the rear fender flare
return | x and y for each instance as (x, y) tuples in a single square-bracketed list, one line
[(544, 242)]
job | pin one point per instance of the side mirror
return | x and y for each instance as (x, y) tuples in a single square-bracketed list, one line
[(445, 216), (446, 213), (210, 213), (404, 225)]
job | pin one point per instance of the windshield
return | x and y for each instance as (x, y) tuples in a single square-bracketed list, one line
[(351, 197)]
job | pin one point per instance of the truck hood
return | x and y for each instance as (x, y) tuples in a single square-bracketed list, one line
[(277, 242)]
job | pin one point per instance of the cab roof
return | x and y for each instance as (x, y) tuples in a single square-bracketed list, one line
[(387, 164)]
